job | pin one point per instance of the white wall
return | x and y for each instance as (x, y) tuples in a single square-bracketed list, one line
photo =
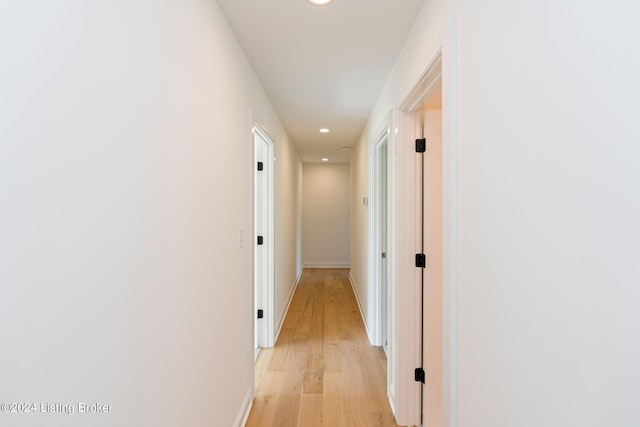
[(125, 176), (359, 230), (552, 197), (326, 214), (548, 203), (288, 223)]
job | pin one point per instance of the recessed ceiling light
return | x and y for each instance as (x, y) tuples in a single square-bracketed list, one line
[(320, 2), (324, 130), (325, 160)]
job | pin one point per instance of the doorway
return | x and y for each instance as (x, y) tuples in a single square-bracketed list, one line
[(423, 310), (263, 244)]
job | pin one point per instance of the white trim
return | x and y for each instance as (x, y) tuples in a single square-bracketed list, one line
[(364, 318), (326, 265), (394, 213), (429, 84), (283, 314), (245, 409)]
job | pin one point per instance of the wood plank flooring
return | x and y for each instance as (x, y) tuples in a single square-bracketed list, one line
[(322, 371)]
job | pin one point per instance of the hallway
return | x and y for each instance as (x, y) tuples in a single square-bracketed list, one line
[(322, 371)]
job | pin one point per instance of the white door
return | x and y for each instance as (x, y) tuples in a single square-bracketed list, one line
[(263, 240), (384, 271), (432, 279)]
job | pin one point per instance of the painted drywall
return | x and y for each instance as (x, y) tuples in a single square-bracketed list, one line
[(360, 233), (326, 214), (125, 179), (288, 222), (555, 211), (548, 203)]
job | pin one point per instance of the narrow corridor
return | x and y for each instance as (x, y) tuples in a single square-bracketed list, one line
[(322, 371)]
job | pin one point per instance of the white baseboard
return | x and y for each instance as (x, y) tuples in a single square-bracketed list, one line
[(364, 319), (283, 315), (245, 409), (327, 265)]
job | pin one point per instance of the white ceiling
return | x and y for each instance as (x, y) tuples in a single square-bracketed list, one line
[(322, 66)]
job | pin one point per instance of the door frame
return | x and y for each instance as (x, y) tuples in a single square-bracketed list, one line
[(266, 337), (375, 224), (405, 322)]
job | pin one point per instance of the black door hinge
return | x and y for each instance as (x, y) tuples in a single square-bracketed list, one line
[(421, 145), (260, 240), (260, 314), (419, 375), (421, 260), (260, 166)]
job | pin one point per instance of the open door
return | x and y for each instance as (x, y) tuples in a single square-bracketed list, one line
[(384, 268), (432, 274)]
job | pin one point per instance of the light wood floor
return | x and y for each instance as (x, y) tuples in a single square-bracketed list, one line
[(322, 371)]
